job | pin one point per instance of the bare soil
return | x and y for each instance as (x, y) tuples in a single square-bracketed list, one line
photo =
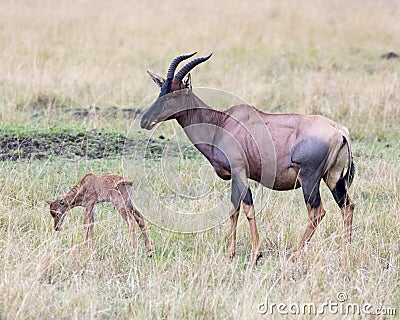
[(20, 143)]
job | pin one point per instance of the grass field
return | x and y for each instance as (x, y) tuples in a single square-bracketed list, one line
[(80, 67)]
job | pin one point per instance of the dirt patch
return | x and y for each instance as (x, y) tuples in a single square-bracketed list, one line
[(23, 143)]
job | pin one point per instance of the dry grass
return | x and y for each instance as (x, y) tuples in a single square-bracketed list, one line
[(308, 57)]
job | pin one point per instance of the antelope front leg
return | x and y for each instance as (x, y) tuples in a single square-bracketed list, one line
[(88, 223), (241, 192), (234, 215), (251, 217)]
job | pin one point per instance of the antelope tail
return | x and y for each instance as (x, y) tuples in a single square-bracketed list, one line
[(351, 169)]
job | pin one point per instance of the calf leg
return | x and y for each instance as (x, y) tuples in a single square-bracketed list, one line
[(132, 231), (88, 223), (140, 220), (128, 217), (120, 198)]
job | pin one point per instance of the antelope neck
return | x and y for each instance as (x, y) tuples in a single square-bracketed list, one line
[(200, 113)]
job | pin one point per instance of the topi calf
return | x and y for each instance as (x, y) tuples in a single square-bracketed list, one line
[(95, 188)]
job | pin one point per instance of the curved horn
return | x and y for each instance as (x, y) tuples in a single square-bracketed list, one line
[(175, 62), (189, 66)]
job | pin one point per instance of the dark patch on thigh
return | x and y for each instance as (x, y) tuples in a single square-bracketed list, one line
[(310, 152), (311, 155)]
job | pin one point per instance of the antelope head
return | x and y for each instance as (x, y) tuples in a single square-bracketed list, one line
[(58, 209), (174, 94)]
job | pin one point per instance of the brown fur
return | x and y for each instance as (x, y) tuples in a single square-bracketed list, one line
[(281, 151), (95, 188)]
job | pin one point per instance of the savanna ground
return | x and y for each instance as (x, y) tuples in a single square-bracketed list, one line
[(72, 81)]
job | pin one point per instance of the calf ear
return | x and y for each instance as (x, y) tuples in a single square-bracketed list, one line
[(187, 81), (159, 81), (49, 201)]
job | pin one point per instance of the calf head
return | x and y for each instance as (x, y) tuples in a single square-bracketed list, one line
[(58, 209)]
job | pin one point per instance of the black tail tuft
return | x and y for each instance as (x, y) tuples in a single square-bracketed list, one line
[(351, 170), (349, 176)]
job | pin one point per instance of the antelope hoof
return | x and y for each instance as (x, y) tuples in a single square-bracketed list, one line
[(294, 256), (230, 255), (89, 244), (150, 253), (256, 256)]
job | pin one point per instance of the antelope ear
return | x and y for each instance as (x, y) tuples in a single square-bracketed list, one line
[(49, 201), (159, 81), (187, 81)]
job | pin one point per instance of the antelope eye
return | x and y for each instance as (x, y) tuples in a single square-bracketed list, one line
[(61, 202)]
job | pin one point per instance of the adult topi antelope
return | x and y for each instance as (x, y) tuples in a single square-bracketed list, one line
[(281, 151)]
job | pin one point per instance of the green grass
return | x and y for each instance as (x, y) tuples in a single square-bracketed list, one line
[(49, 274), (81, 69)]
